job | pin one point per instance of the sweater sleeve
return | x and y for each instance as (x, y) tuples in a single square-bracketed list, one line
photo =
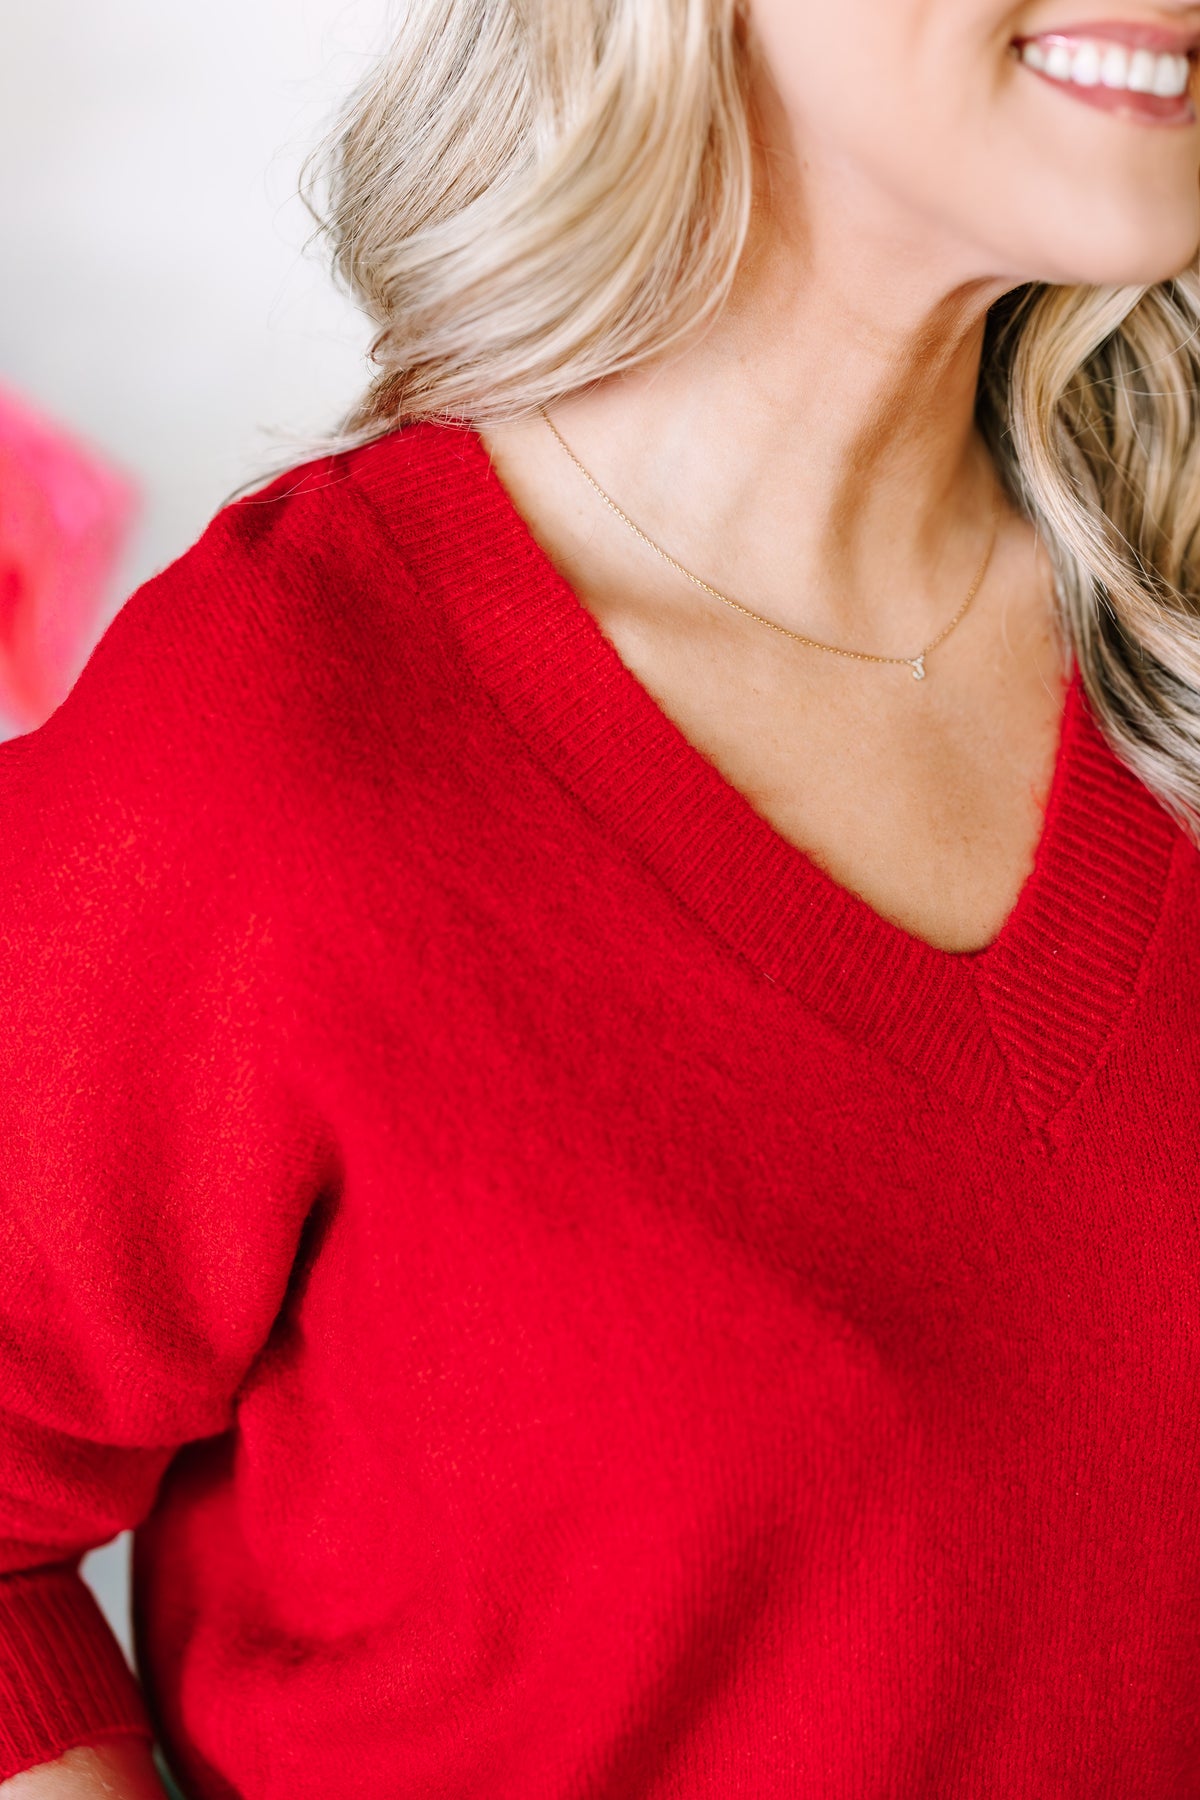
[(157, 1156)]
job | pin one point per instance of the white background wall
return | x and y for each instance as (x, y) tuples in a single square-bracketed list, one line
[(154, 290)]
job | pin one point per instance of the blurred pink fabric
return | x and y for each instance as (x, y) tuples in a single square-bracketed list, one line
[(64, 517)]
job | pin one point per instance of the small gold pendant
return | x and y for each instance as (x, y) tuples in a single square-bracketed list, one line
[(918, 667)]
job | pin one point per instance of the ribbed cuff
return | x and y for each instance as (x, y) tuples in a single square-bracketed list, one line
[(63, 1677)]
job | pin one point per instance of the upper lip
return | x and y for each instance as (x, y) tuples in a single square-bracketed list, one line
[(1180, 40)]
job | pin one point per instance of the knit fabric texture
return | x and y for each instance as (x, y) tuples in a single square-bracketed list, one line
[(575, 1304)]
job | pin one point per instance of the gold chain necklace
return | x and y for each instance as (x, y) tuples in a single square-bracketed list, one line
[(915, 663)]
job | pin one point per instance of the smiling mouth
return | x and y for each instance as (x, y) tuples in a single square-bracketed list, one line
[(1117, 69)]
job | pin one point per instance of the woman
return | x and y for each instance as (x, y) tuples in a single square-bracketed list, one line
[(601, 1052)]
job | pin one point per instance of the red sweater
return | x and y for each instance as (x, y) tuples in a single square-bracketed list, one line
[(576, 1305)]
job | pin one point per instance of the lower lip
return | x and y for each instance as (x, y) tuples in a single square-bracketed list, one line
[(1147, 109)]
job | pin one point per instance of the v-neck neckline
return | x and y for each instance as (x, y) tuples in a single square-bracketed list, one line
[(1017, 1025)]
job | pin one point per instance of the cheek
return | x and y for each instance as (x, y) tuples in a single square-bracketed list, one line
[(868, 88), (812, 53)]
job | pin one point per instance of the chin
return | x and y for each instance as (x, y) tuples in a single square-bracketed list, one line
[(1145, 270), (1132, 257)]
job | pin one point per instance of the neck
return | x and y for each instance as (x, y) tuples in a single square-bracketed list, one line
[(814, 452)]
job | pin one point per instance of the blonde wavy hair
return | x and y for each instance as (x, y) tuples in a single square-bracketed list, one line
[(527, 196)]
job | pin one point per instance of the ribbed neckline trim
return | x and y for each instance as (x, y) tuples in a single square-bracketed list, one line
[(1017, 1025)]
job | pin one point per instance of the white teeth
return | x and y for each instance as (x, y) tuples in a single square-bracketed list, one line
[(1170, 78), (1141, 72), (1114, 67), (1091, 63), (1085, 65)]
